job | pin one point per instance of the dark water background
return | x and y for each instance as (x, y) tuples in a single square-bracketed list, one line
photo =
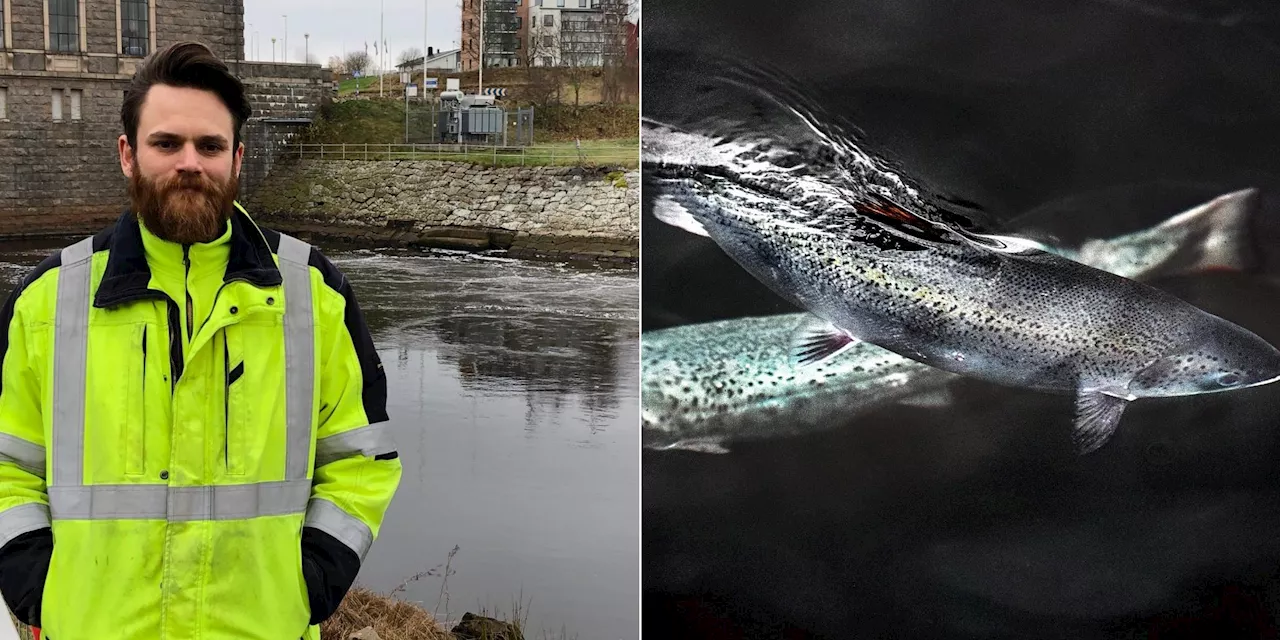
[(512, 392), (1083, 119)]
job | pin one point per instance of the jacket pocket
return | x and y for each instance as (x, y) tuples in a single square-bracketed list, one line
[(135, 414), (236, 402)]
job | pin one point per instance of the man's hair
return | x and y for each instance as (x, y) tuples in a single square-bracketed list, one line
[(188, 65)]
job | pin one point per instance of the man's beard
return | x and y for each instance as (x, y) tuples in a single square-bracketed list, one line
[(186, 208)]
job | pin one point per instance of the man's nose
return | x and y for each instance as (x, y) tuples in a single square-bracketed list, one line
[(189, 159)]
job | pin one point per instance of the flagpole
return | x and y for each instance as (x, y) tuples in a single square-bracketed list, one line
[(383, 23), (480, 90)]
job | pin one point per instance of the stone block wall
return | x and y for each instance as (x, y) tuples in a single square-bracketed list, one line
[(27, 24), (100, 23), (558, 212), (60, 177), (64, 177), (286, 90), (216, 23)]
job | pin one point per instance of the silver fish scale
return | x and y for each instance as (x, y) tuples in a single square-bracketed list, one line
[(1039, 320), (732, 369)]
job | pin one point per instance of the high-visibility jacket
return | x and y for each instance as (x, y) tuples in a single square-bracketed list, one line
[(192, 439)]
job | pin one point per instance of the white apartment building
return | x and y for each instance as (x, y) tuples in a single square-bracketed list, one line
[(573, 32)]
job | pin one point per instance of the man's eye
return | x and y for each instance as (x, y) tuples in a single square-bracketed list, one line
[(164, 144), (213, 148)]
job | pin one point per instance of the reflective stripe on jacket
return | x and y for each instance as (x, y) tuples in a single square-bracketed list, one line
[(212, 485)]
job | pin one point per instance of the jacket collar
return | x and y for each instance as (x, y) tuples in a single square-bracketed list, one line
[(128, 274)]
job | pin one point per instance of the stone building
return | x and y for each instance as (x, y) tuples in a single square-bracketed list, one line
[(64, 65)]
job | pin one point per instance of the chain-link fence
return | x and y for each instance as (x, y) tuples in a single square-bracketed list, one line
[(476, 126)]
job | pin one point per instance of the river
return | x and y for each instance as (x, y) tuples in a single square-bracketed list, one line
[(513, 395)]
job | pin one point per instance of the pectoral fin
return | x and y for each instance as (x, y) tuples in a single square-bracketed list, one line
[(1097, 415), (816, 340), (668, 210)]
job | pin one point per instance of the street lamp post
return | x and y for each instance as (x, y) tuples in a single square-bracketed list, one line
[(284, 51), (250, 31), (306, 51), (273, 51)]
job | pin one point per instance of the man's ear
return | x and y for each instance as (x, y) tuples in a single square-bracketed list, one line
[(126, 156), (239, 159)]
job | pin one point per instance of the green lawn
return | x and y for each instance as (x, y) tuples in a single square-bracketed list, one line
[(348, 86)]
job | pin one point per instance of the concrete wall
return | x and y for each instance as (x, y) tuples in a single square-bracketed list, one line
[(64, 177), (558, 212)]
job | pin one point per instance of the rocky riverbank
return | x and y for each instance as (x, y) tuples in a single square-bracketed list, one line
[(530, 212)]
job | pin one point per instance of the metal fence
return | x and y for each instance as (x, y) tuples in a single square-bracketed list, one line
[(486, 126), (598, 156)]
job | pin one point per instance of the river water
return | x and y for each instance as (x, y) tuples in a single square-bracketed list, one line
[(512, 390)]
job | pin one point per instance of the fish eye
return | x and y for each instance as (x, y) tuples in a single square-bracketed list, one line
[(1229, 379)]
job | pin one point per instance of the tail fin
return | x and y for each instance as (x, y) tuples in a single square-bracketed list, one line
[(1214, 236), (1222, 230)]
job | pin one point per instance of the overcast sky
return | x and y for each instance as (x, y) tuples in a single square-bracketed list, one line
[(338, 24)]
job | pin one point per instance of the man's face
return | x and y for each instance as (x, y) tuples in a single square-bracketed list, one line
[(184, 173)]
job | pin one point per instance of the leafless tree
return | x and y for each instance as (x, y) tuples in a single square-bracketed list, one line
[(619, 78), (358, 61), (538, 58), (409, 55), (337, 65)]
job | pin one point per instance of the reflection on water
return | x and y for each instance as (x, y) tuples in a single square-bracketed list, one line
[(512, 390)]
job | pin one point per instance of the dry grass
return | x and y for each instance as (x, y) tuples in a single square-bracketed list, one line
[(393, 619), (24, 632)]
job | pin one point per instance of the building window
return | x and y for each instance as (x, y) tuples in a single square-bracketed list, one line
[(546, 61), (582, 4), (135, 33), (547, 41), (57, 105), (559, 3), (549, 20), (64, 25), (4, 103), (75, 103)]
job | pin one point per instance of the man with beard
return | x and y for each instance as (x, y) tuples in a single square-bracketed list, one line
[(193, 432)]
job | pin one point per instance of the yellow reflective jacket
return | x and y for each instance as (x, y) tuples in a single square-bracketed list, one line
[(193, 440)]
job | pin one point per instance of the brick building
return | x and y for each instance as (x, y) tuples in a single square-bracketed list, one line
[(64, 65), (504, 32), (545, 33)]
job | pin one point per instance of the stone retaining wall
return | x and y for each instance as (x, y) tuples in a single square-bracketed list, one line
[(553, 212)]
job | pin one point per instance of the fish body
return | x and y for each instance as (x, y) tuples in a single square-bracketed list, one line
[(710, 384), (837, 232), (707, 385)]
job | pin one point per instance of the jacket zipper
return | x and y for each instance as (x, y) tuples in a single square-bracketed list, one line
[(186, 286), (226, 403), (175, 344), (175, 330)]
